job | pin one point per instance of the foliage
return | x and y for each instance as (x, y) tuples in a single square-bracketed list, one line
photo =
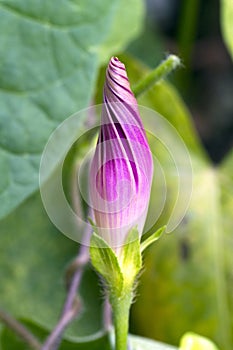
[(51, 54), (226, 23), (194, 256), (10, 342)]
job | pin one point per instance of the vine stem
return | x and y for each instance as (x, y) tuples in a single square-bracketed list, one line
[(20, 330), (160, 72), (74, 275), (72, 305), (107, 315)]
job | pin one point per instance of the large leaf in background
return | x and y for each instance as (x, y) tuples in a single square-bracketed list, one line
[(184, 286), (126, 26), (33, 257), (227, 23), (148, 46), (189, 341), (49, 53), (9, 341)]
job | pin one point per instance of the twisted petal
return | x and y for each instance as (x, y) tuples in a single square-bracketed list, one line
[(122, 167)]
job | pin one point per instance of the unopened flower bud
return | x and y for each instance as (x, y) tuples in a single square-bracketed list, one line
[(122, 167)]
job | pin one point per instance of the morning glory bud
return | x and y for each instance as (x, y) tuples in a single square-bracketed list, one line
[(122, 168)]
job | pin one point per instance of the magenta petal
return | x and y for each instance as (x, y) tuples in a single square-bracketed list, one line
[(122, 167)]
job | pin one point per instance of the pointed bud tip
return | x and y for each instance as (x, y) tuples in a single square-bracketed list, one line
[(116, 63)]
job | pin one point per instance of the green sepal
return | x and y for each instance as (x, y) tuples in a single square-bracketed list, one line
[(152, 238), (130, 258), (105, 261), (119, 272)]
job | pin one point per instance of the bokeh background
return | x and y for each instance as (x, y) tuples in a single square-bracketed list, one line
[(53, 57), (192, 30)]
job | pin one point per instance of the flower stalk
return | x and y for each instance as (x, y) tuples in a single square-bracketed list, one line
[(156, 75), (121, 320), (119, 273)]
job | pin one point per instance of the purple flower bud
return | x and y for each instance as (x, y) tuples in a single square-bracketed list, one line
[(122, 167)]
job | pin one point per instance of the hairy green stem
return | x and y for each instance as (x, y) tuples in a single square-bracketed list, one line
[(160, 72), (121, 307)]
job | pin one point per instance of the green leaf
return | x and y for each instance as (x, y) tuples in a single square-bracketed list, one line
[(142, 49), (226, 198), (10, 342), (192, 341), (106, 263), (33, 259), (227, 23), (49, 54), (189, 273), (130, 18), (191, 262), (152, 238)]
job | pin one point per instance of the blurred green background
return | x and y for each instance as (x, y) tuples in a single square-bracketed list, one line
[(52, 61)]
